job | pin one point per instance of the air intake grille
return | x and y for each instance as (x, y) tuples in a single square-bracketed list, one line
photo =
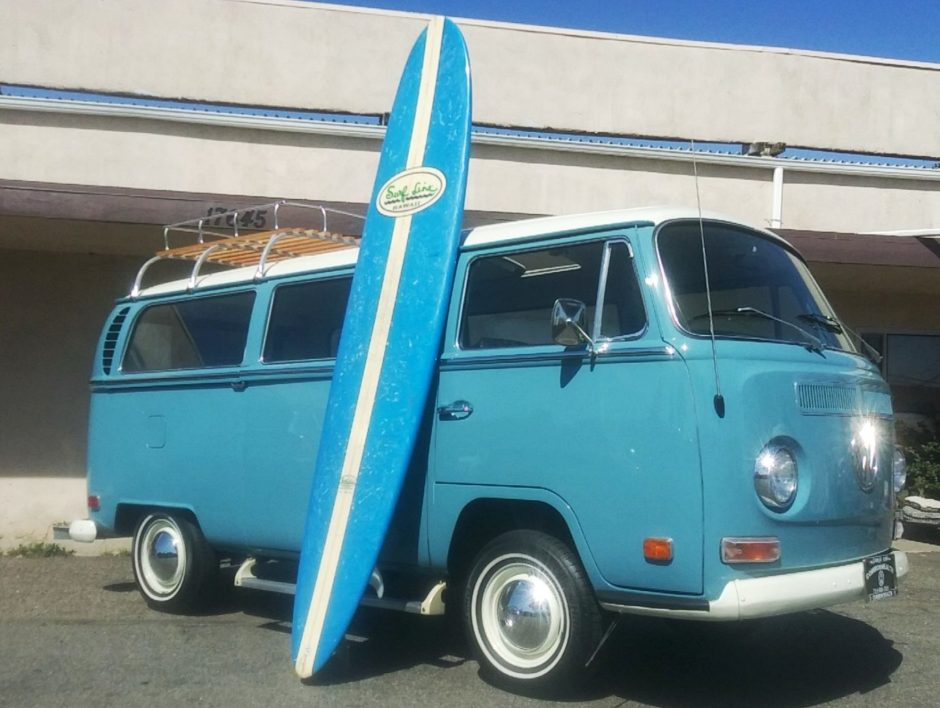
[(821, 398), (111, 338)]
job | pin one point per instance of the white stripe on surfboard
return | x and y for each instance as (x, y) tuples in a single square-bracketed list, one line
[(342, 505)]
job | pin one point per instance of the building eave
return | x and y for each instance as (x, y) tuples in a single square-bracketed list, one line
[(374, 132)]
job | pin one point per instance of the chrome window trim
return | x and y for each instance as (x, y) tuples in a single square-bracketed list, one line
[(601, 292), (267, 318), (581, 238), (769, 236), (178, 298), (198, 377), (516, 358)]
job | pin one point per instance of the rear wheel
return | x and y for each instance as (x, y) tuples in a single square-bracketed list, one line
[(530, 613), (175, 568)]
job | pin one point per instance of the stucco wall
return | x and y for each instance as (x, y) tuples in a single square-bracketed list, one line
[(158, 155), (53, 308), (298, 54), (882, 298)]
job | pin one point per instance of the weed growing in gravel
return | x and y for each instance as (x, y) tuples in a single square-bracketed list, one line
[(120, 553), (40, 549)]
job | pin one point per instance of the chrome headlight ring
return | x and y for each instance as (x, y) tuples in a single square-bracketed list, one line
[(898, 469), (776, 476)]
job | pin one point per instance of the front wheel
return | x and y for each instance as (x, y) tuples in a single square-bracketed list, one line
[(530, 612), (174, 566)]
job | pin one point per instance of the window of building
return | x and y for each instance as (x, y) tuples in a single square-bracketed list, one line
[(510, 297), (306, 320), (911, 366), (204, 332)]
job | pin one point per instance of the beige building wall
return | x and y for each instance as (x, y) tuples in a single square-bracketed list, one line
[(53, 307), (144, 153), (882, 298), (297, 54)]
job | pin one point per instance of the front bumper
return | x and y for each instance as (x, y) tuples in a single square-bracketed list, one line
[(751, 598)]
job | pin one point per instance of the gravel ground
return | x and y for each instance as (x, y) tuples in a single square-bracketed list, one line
[(74, 631)]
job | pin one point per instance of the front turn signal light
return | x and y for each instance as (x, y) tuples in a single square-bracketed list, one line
[(657, 550), (750, 550)]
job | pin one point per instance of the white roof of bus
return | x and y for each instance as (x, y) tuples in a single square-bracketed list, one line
[(507, 232)]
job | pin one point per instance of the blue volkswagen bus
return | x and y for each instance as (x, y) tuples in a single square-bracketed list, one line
[(644, 411)]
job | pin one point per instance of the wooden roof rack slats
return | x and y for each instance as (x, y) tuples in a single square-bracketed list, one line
[(229, 245), (245, 250)]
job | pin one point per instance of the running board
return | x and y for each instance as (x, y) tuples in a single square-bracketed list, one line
[(246, 578), (432, 604)]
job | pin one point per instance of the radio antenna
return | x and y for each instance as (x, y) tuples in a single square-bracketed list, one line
[(719, 399)]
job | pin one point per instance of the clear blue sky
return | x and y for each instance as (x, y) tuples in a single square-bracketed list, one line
[(899, 29)]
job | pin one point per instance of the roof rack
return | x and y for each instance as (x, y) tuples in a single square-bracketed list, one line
[(242, 237)]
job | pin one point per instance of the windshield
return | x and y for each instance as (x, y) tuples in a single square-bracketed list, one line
[(759, 288)]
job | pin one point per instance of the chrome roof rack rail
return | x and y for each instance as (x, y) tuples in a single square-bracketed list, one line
[(243, 237)]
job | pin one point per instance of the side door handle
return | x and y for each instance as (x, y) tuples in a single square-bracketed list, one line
[(458, 410), (238, 386)]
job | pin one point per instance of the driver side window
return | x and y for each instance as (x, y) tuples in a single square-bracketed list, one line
[(510, 296)]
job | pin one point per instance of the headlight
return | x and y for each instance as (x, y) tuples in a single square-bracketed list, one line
[(776, 477), (899, 469)]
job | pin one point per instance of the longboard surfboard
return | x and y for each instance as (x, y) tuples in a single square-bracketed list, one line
[(390, 340)]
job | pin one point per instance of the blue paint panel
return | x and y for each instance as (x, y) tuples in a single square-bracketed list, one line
[(411, 348), (832, 520), (628, 470), (190, 468)]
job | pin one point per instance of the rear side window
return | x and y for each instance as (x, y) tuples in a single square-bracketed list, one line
[(204, 332), (510, 297), (306, 320)]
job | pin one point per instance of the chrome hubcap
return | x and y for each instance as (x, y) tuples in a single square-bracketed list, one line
[(524, 613), (521, 616), (161, 557)]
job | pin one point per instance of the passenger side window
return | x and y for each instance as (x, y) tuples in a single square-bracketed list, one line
[(510, 297), (306, 320), (208, 331)]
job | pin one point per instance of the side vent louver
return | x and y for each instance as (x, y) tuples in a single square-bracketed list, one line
[(822, 398), (111, 338)]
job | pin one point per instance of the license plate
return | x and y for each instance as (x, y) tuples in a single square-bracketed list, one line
[(881, 580)]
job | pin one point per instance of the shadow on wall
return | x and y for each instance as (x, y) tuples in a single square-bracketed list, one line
[(52, 307)]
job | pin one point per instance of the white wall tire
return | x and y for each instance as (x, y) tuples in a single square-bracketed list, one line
[(530, 613), (174, 567)]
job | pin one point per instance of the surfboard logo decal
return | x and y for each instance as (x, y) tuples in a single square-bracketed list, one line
[(411, 191)]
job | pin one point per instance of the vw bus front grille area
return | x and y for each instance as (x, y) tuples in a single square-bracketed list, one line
[(820, 399)]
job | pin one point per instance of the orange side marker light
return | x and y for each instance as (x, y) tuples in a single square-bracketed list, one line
[(657, 550)]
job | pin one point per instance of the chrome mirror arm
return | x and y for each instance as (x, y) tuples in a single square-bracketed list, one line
[(591, 346)]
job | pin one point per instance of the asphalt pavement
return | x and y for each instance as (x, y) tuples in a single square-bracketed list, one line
[(74, 631)]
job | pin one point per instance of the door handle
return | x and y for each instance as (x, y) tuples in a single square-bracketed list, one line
[(458, 410), (238, 386)]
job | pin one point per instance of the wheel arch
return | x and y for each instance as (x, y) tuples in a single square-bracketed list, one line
[(129, 514), (483, 518)]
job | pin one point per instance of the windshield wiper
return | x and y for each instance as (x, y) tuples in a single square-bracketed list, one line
[(833, 325), (813, 343), (829, 323)]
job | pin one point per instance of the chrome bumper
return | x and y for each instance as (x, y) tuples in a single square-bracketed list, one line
[(750, 598)]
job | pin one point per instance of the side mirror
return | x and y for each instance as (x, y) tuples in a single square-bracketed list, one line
[(568, 321)]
